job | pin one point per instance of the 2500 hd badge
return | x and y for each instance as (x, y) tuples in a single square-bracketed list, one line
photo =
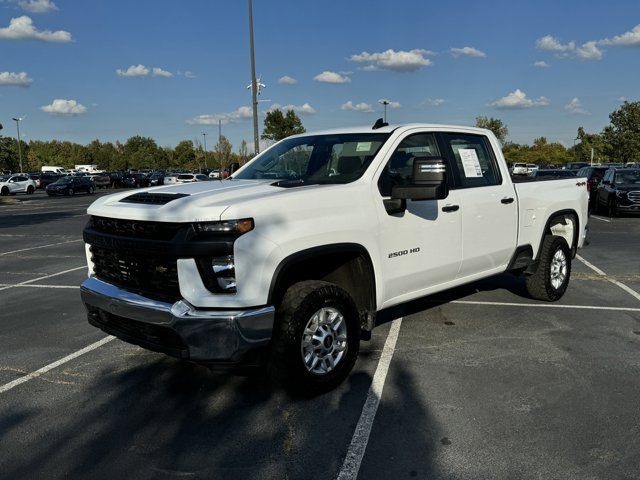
[(404, 252)]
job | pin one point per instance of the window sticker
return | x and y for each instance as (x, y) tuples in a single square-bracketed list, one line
[(363, 147), (470, 162)]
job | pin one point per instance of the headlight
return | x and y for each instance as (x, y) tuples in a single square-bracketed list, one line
[(228, 226)]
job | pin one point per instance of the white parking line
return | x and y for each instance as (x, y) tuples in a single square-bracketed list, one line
[(545, 305), (601, 219), (358, 446), (17, 285), (34, 280), (627, 289), (40, 246), (18, 381)]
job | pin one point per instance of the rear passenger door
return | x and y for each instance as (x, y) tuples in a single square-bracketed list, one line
[(487, 203)]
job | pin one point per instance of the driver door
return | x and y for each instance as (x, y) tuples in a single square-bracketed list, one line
[(420, 247)]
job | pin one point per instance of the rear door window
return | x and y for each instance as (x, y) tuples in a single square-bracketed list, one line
[(474, 163)]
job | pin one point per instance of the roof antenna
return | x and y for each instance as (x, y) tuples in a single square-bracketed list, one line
[(379, 124)]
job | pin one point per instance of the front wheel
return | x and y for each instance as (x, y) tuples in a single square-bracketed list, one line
[(551, 279), (90, 191), (30, 190), (316, 338), (5, 191)]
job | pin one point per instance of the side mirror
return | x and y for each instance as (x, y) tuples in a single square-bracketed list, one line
[(428, 182)]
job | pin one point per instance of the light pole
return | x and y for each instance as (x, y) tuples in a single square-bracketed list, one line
[(385, 103), (18, 120), (254, 87), (204, 136)]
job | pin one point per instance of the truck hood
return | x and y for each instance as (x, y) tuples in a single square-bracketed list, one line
[(202, 201)]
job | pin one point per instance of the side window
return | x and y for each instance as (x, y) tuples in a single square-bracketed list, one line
[(399, 168), (475, 164)]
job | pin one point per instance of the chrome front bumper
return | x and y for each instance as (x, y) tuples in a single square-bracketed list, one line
[(179, 329)]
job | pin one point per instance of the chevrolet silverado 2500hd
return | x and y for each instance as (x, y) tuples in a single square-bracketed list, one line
[(290, 259)]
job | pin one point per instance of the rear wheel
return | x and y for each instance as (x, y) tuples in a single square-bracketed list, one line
[(551, 279), (316, 338), (5, 191)]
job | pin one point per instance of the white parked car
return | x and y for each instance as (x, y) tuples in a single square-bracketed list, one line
[(532, 167), (215, 174), (520, 169), (292, 259), (20, 183), (191, 177)]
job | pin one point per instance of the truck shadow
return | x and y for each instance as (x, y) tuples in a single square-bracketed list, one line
[(165, 419)]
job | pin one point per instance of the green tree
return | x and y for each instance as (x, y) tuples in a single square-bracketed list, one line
[(496, 125), (622, 137), (140, 152), (243, 154), (184, 155), (278, 125), (223, 151)]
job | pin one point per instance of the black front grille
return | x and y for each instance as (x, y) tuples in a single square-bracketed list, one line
[(135, 228), (153, 198), (152, 276)]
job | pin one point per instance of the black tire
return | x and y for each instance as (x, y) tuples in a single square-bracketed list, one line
[(70, 192), (90, 191), (5, 191), (30, 190), (286, 363), (611, 209), (539, 285)]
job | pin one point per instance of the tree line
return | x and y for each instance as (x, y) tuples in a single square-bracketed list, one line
[(618, 142)]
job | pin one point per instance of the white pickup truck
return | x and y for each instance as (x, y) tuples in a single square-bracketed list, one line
[(289, 261)]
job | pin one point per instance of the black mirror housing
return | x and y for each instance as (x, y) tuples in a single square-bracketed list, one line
[(429, 181)]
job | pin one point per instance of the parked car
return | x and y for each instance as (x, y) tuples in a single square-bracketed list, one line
[(594, 176), (531, 167), (20, 183), (191, 177), (54, 169), (135, 180), (520, 169), (48, 179), (575, 165), (552, 173), (295, 264), (156, 179), (116, 179), (214, 174), (101, 180), (36, 178), (619, 191), (70, 185)]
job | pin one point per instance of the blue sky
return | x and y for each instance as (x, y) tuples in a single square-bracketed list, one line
[(442, 62)]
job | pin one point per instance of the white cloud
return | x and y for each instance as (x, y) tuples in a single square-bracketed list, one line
[(358, 107), (242, 113), (189, 74), (159, 72), (331, 77), (15, 79), (575, 107), (627, 39), (38, 6), (541, 64), (467, 52), (435, 102), (287, 80), (518, 99), (304, 109), (587, 51), (400, 61), (64, 108), (134, 71), (21, 28)]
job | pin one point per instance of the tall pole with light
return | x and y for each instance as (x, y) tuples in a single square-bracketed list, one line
[(254, 86), (204, 136), (385, 103), (18, 120)]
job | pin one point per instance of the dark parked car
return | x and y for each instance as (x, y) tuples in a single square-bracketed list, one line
[(619, 191), (116, 179), (594, 176), (101, 180), (135, 180), (576, 165), (552, 173), (156, 179), (71, 186), (48, 179)]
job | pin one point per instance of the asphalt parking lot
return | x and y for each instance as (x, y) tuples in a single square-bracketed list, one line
[(481, 382)]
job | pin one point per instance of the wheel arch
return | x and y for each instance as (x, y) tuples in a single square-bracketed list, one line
[(560, 218), (347, 265)]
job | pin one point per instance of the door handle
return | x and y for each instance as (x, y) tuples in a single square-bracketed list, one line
[(450, 208), (507, 200)]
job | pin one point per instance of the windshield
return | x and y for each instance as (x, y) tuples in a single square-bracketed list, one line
[(340, 158), (64, 180), (628, 178)]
